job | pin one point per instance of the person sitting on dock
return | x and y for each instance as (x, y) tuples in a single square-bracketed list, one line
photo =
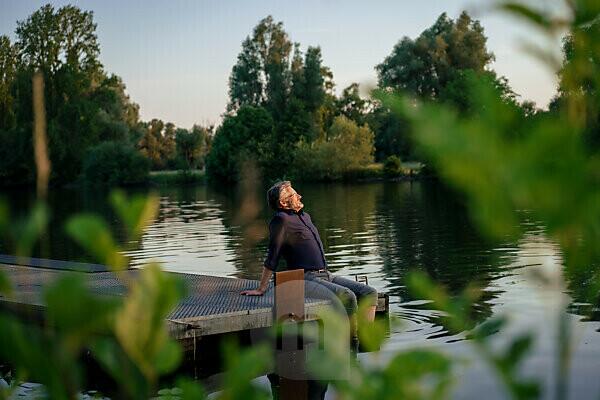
[(293, 237)]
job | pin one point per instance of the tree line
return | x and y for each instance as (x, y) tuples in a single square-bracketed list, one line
[(283, 114), (93, 127)]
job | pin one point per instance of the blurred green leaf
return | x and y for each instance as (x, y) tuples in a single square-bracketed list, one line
[(371, 333), (131, 383), (4, 217), (488, 328), (517, 350), (75, 312), (241, 367), (94, 236), (36, 357), (190, 390), (168, 357), (533, 16), (22, 234), (140, 324), (586, 11), (136, 213), (457, 310), (5, 285), (407, 369)]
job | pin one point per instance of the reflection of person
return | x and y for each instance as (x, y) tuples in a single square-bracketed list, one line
[(293, 237)]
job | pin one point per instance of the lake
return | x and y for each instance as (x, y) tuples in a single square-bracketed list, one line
[(383, 231)]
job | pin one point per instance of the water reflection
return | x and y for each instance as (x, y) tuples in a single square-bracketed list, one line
[(382, 230)]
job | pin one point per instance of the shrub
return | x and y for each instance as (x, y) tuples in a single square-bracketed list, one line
[(392, 166), (348, 147), (115, 163)]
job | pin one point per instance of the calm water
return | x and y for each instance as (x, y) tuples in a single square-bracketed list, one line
[(382, 230)]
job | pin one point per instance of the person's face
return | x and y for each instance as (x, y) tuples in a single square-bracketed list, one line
[(290, 199)]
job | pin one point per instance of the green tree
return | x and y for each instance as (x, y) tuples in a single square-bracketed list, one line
[(313, 90), (191, 146), (458, 94), (425, 65), (158, 143), (275, 74), (246, 86), (347, 148), (84, 106), (261, 76), (8, 72), (50, 39), (353, 106), (578, 92), (392, 134), (113, 163), (246, 136)]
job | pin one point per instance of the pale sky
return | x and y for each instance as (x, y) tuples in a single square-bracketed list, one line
[(176, 56)]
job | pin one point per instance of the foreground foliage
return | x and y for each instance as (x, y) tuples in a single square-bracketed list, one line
[(499, 166)]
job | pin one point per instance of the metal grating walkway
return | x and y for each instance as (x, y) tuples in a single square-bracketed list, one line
[(213, 305)]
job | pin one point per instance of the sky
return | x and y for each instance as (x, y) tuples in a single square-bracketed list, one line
[(176, 56)]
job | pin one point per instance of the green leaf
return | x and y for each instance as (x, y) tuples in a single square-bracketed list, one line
[(135, 213), (241, 367), (77, 313), (190, 390), (517, 350), (140, 324), (5, 285), (93, 235), (4, 217), (114, 360), (168, 357), (488, 328), (586, 12), (371, 333), (528, 13), (526, 390), (27, 232)]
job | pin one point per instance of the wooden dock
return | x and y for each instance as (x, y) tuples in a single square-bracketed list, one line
[(213, 305)]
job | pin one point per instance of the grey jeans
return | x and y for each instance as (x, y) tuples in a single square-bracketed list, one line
[(322, 284)]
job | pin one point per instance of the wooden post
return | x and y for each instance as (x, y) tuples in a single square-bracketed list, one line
[(290, 355)]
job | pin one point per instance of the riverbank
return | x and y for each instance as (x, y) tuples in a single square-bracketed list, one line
[(374, 172), (175, 177)]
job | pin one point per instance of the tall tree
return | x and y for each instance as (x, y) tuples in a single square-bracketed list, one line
[(297, 73), (425, 65), (158, 143), (49, 39), (314, 88), (261, 75), (353, 106), (242, 137), (191, 146), (246, 82), (579, 81), (84, 105), (8, 72)]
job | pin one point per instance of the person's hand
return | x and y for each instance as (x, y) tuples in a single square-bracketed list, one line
[(256, 292)]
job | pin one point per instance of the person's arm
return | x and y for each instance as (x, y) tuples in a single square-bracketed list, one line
[(264, 283), (276, 241)]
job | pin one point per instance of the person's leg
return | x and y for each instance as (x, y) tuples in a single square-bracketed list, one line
[(319, 286), (364, 293), (324, 289)]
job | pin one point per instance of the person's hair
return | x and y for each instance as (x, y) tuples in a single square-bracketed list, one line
[(274, 193)]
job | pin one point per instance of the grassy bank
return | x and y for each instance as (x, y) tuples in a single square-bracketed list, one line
[(376, 172), (175, 177)]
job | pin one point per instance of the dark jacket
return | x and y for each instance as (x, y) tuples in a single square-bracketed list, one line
[(293, 237)]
